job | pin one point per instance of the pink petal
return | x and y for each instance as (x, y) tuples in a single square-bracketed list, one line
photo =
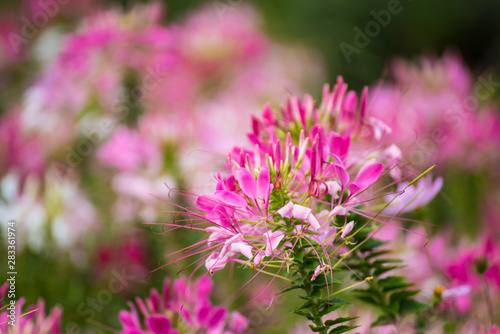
[(158, 324), (286, 211), (230, 198), (300, 212), (369, 174), (213, 263), (340, 146), (347, 229), (247, 182), (238, 323), (339, 210), (333, 188), (313, 222), (128, 320), (273, 240), (206, 203), (342, 174), (243, 248), (317, 271), (258, 258), (218, 316), (263, 184), (494, 330)]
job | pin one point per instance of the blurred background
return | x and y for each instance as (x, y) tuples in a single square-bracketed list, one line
[(103, 103)]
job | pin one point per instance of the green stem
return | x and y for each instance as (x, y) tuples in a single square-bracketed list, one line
[(318, 321)]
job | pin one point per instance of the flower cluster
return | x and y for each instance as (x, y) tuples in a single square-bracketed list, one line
[(438, 114), (30, 320), (309, 169), (305, 189), (136, 104), (181, 308)]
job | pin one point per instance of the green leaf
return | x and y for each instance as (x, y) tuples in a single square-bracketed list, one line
[(383, 320), (376, 254), (342, 329), (303, 306), (369, 299), (382, 270), (318, 328), (397, 296), (392, 308), (310, 263), (299, 254), (320, 280), (329, 305), (393, 282), (339, 320), (334, 301), (329, 309), (371, 244), (316, 292), (293, 287), (410, 306), (304, 314)]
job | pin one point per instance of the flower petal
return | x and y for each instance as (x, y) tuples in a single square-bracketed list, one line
[(247, 182), (347, 229), (264, 184), (230, 198), (158, 324), (286, 211), (300, 212)]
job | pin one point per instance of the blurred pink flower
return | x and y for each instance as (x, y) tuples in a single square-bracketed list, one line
[(128, 150), (36, 322), (17, 150), (436, 114), (180, 306), (414, 196)]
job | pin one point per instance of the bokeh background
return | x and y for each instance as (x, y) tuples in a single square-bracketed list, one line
[(79, 227)]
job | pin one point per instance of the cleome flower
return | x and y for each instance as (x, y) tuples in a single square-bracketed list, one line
[(30, 321), (306, 186), (181, 308)]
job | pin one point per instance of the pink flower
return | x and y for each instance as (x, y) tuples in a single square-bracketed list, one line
[(414, 196), (300, 212), (31, 320), (127, 151), (19, 150), (181, 305), (301, 160), (429, 111)]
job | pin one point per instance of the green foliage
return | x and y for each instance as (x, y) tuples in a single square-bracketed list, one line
[(317, 303), (392, 295)]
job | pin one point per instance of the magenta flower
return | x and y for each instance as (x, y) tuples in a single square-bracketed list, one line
[(30, 320), (19, 151), (438, 113), (127, 150), (182, 308), (414, 196), (307, 169)]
